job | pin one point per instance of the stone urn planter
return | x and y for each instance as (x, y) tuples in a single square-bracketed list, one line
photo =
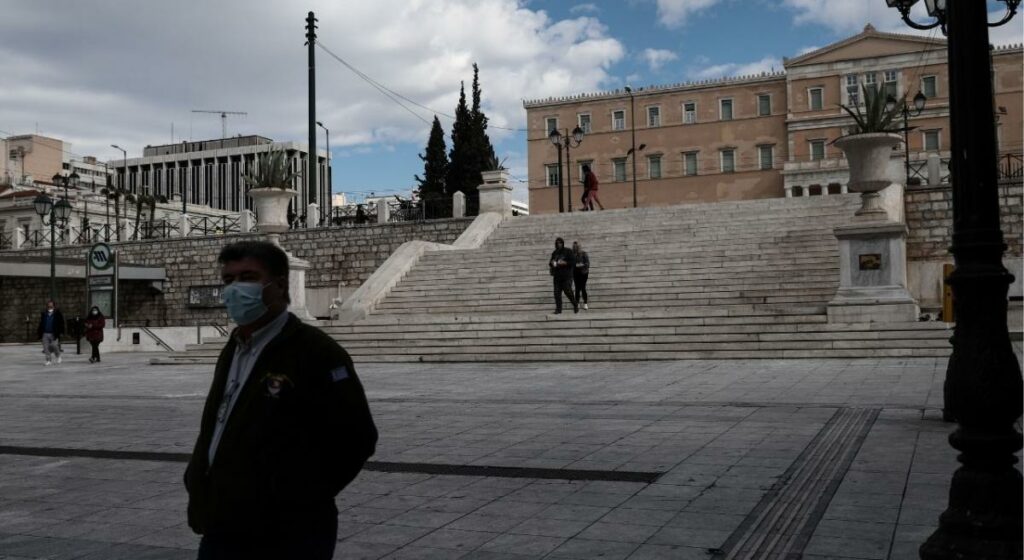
[(868, 156), (272, 208)]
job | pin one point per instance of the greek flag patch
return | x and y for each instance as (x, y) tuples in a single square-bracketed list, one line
[(339, 373)]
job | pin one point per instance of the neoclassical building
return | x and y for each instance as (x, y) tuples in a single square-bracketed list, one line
[(768, 135)]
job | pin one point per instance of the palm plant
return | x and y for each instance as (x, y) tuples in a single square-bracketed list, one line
[(115, 194), (875, 117), (272, 172)]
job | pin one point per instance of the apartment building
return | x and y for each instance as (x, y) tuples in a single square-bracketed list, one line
[(749, 137)]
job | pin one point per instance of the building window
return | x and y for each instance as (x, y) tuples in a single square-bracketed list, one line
[(551, 123), (931, 141), (815, 97), (654, 167), (728, 160), (870, 79), (690, 163), (817, 150), (654, 116), (689, 112), (852, 90), (889, 86), (929, 87), (725, 109), (764, 105), (584, 122), (618, 120), (765, 156), (553, 173), (619, 167)]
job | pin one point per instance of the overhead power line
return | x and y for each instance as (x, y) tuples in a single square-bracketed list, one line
[(395, 96)]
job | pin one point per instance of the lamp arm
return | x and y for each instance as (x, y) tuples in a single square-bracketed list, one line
[(905, 14), (1011, 10)]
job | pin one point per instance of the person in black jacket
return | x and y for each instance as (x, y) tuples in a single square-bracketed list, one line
[(580, 273), (561, 266), (286, 425), (50, 329)]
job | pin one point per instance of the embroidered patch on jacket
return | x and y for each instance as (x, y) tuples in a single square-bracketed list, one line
[(275, 383), (339, 373)]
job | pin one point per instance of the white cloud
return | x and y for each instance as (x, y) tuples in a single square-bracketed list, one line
[(584, 9), (109, 74), (766, 64), (846, 17), (656, 58), (674, 13), (806, 50)]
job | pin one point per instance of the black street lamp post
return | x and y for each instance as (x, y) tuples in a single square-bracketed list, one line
[(890, 106), (70, 180), (632, 130), (124, 189), (50, 214), (568, 141), (330, 192), (983, 383)]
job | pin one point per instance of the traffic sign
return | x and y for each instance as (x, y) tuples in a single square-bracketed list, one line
[(101, 256)]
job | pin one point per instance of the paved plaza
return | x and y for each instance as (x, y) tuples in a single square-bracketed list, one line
[(675, 460)]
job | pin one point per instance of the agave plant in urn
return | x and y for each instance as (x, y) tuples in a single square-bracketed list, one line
[(270, 188), (869, 149)]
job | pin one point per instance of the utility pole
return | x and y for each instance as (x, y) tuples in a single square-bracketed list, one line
[(311, 159)]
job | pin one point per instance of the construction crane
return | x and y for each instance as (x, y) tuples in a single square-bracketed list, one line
[(223, 119)]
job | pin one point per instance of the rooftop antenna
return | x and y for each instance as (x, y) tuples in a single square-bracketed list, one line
[(223, 118)]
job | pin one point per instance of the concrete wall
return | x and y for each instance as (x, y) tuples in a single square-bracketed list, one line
[(929, 212), (340, 259)]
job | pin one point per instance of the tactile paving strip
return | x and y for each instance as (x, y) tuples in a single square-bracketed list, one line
[(782, 523)]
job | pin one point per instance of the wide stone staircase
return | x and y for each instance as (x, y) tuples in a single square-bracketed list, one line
[(729, 280)]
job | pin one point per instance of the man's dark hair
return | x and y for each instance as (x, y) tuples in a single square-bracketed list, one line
[(269, 255), (586, 169)]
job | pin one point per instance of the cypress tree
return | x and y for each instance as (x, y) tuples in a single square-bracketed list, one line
[(435, 165), (460, 157), (483, 150)]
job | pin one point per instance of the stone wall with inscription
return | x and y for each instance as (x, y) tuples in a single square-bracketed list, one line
[(340, 258)]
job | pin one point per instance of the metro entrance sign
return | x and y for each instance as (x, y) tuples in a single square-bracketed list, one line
[(101, 256)]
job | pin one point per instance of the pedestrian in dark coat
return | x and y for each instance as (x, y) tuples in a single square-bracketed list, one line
[(51, 328), (286, 424), (580, 273), (560, 266), (94, 325)]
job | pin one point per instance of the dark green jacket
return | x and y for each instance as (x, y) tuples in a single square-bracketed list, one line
[(299, 432)]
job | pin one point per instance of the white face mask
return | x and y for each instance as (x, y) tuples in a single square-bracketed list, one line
[(48, 310)]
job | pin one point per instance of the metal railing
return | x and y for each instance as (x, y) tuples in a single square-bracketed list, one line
[(6, 241), (919, 170), (159, 229), (206, 225), (1011, 166), (353, 216)]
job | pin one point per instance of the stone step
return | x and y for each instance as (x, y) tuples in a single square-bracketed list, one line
[(542, 305), (600, 285), (575, 356), (612, 269)]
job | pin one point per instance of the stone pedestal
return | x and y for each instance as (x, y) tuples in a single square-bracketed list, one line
[(495, 194), (458, 205), (246, 221), (312, 215), (183, 225), (296, 282), (872, 275), (383, 211)]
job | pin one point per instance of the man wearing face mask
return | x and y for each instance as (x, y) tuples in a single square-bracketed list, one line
[(51, 327), (286, 425)]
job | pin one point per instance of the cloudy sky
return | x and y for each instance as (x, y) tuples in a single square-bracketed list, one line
[(101, 72)]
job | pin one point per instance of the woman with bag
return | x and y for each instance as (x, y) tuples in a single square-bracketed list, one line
[(94, 324)]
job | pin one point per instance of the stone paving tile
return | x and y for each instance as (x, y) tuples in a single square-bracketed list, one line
[(667, 552), (586, 549), (550, 527), (529, 545), (619, 532), (455, 539)]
